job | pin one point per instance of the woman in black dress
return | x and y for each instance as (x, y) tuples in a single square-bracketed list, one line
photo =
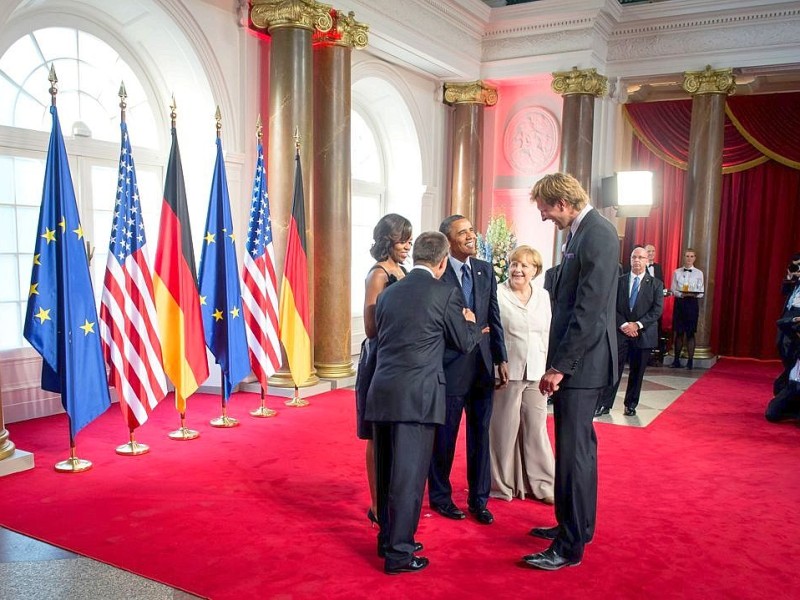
[(391, 247)]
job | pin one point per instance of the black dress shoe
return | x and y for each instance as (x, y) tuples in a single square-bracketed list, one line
[(629, 412), (546, 533), (418, 547), (676, 364), (417, 564), (549, 560), (482, 515), (690, 364), (451, 511), (601, 410)]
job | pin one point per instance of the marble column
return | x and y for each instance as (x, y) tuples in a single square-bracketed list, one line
[(468, 101), (579, 89), (6, 445), (290, 24), (332, 218), (703, 191)]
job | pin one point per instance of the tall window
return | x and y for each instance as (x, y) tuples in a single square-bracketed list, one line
[(369, 189), (89, 74)]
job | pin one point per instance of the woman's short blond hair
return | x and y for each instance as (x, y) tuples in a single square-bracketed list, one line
[(529, 253)]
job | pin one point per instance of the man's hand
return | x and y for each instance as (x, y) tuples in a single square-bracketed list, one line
[(631, 329), (468, 314), (502, 373), (549, 383)]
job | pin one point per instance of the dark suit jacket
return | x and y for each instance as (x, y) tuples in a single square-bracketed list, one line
[(460, 369), (417, 317), (583, 340), (647, 310), (549, 280)]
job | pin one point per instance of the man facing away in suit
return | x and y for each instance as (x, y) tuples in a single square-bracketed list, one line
[(640, 301), (581, 361), (470, 378), (417, 317)]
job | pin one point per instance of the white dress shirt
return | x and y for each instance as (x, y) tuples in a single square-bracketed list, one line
[(684, 280)]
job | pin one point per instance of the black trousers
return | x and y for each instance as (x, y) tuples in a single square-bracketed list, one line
[(576, 469), (637, 360), (402, 456), (477, 404)]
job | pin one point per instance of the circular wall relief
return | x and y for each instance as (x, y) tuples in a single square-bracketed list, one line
[(531, 140)]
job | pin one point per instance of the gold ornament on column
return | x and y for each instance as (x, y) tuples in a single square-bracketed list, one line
[(580, 81), (710, 81), (346, 31), (271, 14), (474, 92)]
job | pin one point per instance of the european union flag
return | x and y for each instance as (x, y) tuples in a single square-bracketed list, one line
[(220, 292), (61, 322)]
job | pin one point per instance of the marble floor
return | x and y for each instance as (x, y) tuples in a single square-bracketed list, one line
[(34, 570)]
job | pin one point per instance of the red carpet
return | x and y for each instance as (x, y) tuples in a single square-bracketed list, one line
[(701, 504)]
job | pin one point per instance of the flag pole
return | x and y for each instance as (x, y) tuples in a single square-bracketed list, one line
[(73, 464), (296, 400), (262, 412), (132, 448)]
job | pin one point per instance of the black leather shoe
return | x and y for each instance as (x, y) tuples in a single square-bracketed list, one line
[(601, 410), (690, 364), (549, 560), (482, 515), (418, 547), (629, 412), (417, 564), (676, 364), (546, 533), (451, 511)]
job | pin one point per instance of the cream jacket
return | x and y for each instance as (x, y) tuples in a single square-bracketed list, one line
[(526, 328)]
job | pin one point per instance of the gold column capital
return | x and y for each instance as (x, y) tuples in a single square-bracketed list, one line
[(473, 92), (302, 14), (710, 81), (346, 31), (579, 81)]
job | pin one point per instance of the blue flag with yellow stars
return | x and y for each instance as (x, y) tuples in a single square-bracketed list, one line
[(61, 321), (220, 292)]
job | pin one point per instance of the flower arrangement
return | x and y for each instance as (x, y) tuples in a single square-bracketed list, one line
[(495, 246)]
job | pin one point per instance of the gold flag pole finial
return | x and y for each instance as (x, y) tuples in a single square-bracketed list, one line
[(297, 139), (123, 96), (218, 117), (173, 111), (53, 84), (259, 128)]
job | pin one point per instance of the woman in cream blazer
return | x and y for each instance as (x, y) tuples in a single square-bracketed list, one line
[(521, 455)]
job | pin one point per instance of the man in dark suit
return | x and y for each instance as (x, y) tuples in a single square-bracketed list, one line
[(581, 361), (470, 378), (416, 317), (653, 268), (640, 301)]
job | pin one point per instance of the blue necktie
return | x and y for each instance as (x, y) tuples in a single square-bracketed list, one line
[(466, 285), (634, 293)]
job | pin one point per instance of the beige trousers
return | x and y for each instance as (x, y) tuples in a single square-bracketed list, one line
[(521, 455)]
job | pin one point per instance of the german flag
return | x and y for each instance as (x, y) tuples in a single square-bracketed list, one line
[(294, 319), (175, 288)]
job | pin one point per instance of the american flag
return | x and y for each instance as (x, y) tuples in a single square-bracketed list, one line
[(260, 290), (128, 322)]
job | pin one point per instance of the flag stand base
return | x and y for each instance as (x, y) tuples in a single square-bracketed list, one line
[(132, 448), (296, 400), (73, 465), (263, 412), (224, 421), (183, 434)]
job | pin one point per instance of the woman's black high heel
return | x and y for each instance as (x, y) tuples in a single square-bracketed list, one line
[(371, 516)]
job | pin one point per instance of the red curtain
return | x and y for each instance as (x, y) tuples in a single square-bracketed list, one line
[(771, 123), (758, 232), (759, 213)]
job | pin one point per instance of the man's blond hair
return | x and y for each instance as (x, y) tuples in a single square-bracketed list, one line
[(560, 186)]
